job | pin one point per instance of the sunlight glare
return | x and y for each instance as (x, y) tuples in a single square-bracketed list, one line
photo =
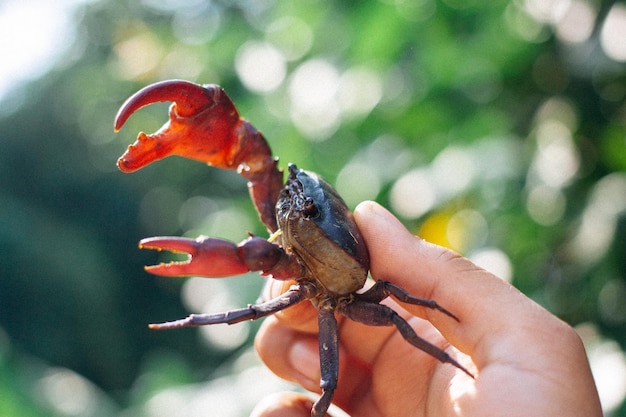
[(413, 194), (494, 261), (138, 54), (194, 211), (546, 205), (614, 32), (208, 296), (556, 161), (357, 182), (198, 293), (454, 169), (228, 223), (69, 393), (466, 230), (547, 11), (35, 34), (360, 89), (312, 92), (576, 25), (608, 365), (599, 220), (223, 336), (260, 66)]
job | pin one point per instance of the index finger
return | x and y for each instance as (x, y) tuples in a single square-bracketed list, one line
[(301, 317)]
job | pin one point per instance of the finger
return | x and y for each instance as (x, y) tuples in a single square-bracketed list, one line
[(288, 353), (283, 404), (301, 317), (294, 356), (491, 311)]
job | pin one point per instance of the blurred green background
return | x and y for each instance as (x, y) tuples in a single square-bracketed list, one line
[(495, 128)]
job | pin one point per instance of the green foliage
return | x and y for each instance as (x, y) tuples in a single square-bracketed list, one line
[(482, 126)]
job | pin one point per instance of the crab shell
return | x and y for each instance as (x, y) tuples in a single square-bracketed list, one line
[(317, 226)]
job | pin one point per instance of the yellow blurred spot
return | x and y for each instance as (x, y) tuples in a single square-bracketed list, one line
[(435, 229), (461, 231)]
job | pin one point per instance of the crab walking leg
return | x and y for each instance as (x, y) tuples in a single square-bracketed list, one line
[(292, 296), (329, 357), (381, 315), (383, 289)]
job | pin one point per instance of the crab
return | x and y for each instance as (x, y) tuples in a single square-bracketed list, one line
[(313, 239)]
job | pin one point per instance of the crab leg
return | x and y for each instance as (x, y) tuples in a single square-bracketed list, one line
[(383, 289), (329, 358), (292, 296), (210, 257), (204, 125), (380, 315)]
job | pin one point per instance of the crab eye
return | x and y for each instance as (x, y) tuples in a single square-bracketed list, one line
[(310, 209)]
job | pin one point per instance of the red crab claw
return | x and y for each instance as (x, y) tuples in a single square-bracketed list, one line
[(210, 257), (204, 125)]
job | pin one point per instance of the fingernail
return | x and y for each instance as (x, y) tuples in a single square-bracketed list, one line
[(304, 358)]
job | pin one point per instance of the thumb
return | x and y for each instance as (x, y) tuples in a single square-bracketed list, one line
[(491, 312)]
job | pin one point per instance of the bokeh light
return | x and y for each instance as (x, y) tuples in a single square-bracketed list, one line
[(138, 55), (292, 35), (495, 261), (261, 67), (577, 23), (599, 219), (614, 32), (312, 92), (608, 364)]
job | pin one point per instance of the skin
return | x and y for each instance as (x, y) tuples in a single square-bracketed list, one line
[(527, 362)]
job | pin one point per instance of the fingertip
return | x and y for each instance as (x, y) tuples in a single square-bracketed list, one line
[(290, 354), (370, 214), (364, 206), (386, 237), (395, 254)]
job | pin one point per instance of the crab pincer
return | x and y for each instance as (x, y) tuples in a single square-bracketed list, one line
[(204, 125), (211, 257)]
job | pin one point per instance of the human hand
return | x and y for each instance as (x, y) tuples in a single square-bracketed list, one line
[(526, 361)]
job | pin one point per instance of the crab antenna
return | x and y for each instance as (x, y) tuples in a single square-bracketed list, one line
[(188, 97)]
